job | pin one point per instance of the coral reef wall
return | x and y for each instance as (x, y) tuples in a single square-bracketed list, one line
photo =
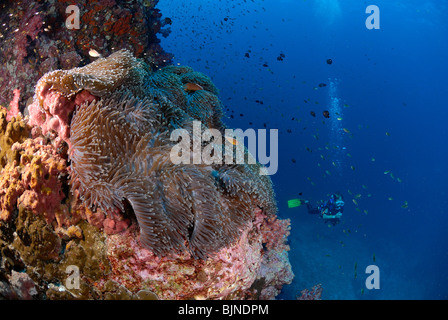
[(87, 183), (35, 39)]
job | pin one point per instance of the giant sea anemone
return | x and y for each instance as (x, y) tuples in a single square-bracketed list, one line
[(120, 147)]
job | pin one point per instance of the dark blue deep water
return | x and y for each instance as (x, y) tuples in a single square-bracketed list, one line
[(383, 146)]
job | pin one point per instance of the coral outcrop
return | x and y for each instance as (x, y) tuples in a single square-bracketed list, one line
[(35, 38), (88, 183), (315, 293)]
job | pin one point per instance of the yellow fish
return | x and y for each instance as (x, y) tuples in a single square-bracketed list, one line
[(346, 130), (339, 119), (355, 202)]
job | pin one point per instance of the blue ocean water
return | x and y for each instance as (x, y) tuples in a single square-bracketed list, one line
[(383, 147)]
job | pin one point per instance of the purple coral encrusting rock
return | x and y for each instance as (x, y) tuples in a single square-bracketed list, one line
[(35, 39), (109, 201)]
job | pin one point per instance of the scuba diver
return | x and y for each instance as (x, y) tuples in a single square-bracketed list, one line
[(331, 210)]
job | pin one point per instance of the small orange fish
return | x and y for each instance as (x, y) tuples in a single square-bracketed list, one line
[(232, 140), (192, 87)]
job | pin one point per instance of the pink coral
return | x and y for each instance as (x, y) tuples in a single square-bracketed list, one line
[(231, 273), (247, 269), (10, 190)]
